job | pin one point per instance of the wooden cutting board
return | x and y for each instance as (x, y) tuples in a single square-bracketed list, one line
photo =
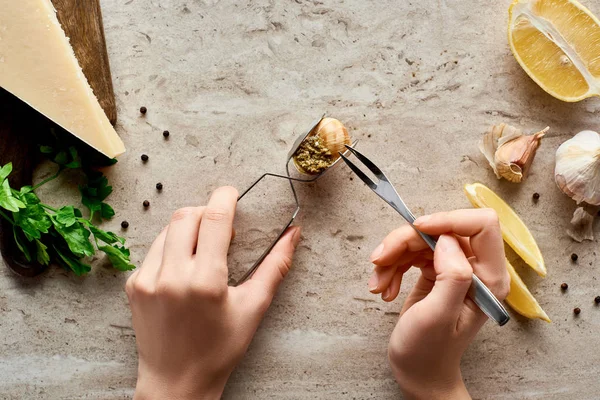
[(20, 125), (82, 22)]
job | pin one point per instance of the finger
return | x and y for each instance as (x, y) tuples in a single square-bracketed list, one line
[(465, 245), (481, 226), (149, 270), (182, 235), (387, 290), (382, 275), (129, 284), (394, 288), (381, 278), (498, 281), (215, 233), (421, 289), (453, 278), (398, 242), (277, 264)]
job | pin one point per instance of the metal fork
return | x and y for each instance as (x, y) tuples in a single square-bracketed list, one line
[(479, 293)]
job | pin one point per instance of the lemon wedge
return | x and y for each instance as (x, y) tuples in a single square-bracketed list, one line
[(514, 231), (556, 43), (520, 298)]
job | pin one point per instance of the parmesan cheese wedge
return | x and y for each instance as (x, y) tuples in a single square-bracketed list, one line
[(38, 65)]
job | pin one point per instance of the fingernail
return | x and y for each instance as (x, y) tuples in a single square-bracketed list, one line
[(446, 244), (422, 220), (373, 282), (296, 237), (377, 253), (387, 293)]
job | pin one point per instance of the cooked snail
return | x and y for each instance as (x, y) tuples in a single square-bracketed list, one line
[(321, 147)]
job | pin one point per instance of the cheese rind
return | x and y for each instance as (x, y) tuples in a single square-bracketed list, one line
[(38, 65)]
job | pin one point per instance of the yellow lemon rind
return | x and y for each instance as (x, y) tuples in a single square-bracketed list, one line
[(519, 292), (533, 258)]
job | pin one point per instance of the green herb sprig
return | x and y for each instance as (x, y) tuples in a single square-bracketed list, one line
[(49, 235)]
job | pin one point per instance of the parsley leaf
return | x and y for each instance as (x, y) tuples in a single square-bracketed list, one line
[(118, 256), (66, 216), (93, 194), (5, 171), (26, 189), (61, 158), (106, 211), (46, 149), (67, 158), (7, 200), (22, 245), (75, 162), (76, 236), (41, 254), (32, 219), (72, 263), (106, 237)]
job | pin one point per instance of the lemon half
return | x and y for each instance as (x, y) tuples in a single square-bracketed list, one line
[(557, 42)]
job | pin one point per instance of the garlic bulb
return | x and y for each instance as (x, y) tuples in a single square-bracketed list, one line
[(509, 152), (321, 147), (577, 171)]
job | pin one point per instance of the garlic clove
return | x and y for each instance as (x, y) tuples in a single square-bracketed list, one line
[(581, 225), (509, 152), (489, 144), (577, 171), (514, 156)]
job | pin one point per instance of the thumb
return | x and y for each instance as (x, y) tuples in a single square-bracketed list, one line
[(277, 264), (454, 275)]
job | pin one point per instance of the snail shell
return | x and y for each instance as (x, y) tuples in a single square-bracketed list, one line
[(322, 146), (334, 135)]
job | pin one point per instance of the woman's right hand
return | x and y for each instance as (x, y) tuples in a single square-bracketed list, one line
[(438, 320)]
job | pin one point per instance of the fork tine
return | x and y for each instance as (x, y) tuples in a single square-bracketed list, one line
[(359, 173), (368, 163)]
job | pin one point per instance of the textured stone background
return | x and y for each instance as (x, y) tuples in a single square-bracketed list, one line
[(234, 81)]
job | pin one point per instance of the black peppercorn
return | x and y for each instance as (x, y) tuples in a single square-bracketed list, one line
[(536, 196), (166, 134), (564, 286), (159, 186), (574, 257), (597, 300), (144, 157), (576, 310), (124, 224), (143, 110), (146, 203)]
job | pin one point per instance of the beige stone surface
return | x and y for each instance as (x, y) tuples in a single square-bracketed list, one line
[(417, 82)]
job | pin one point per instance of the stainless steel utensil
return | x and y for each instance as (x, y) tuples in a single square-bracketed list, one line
[(479, 293), (291, 179)]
